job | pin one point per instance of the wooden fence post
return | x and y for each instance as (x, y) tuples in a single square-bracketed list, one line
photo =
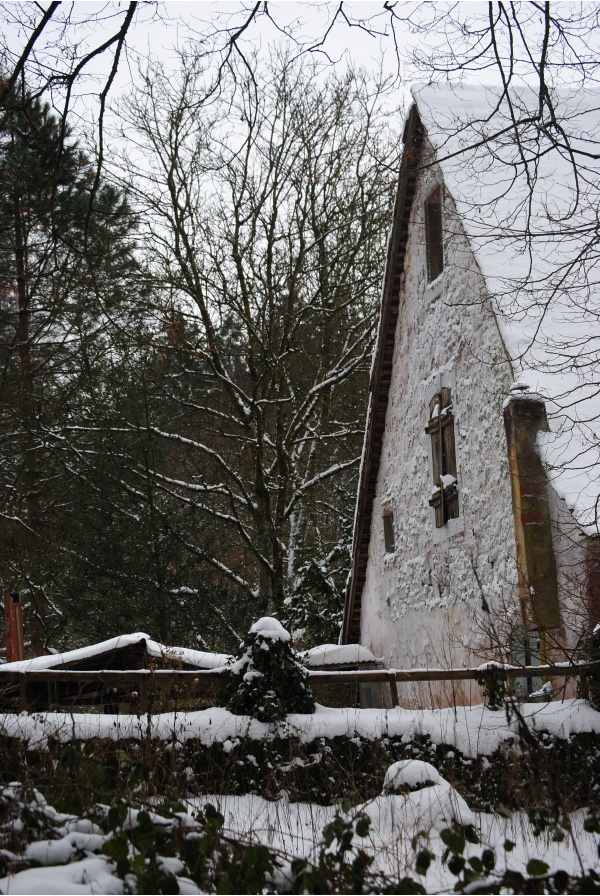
[(13, 620), (393, 687), (23, 703)]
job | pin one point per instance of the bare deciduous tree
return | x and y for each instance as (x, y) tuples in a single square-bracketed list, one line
[(266, 213)]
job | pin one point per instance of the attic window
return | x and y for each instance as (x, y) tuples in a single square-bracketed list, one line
[(444, 495), (434, 234), (389, 538)]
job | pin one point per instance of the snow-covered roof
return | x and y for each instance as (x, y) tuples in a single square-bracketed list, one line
[(338, 655), (199, 658), (530, 210)]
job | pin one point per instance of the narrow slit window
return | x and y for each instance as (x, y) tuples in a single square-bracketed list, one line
[(434, 234), (444, 494), (389, 538)]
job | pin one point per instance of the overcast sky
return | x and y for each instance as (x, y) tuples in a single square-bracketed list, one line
[(161, 28), (365, 36)]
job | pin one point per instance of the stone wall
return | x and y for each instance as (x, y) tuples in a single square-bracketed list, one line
[(426, 604)]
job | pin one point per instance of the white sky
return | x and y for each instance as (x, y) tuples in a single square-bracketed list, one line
[(161, 27)]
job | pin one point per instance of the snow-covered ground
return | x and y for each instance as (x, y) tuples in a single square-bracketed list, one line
[(294, 829), (72, 861), (474, 730), (73, 864)]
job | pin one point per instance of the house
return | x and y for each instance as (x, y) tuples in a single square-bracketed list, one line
[(476, 531)]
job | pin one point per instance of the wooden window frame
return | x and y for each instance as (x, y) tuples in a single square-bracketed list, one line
[(434, 234), (389, 536), (444, 498)]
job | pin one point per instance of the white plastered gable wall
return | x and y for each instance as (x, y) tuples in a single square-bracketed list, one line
[(422, 604)]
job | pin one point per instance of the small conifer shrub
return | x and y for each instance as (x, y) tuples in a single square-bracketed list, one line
[(267, 682)]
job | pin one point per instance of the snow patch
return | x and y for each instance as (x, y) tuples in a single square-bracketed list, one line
[(474, 730), (410, 773), (271, 629), (338, 655)]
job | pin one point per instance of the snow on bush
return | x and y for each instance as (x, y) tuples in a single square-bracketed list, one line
[(410, 774), (434, 803), (267, 682)]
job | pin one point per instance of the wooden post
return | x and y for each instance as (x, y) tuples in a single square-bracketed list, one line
[(13, 618), (143, 696), (393, 688), (23, 692)]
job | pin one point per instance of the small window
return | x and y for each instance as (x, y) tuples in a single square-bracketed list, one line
[(434, 234), (388, 532), (444, 495)]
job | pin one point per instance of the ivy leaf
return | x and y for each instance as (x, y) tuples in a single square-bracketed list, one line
[(537, 868), (456, 864), (454, 841), (488, 857), (476, 864), (116, 816), (362, 826), (423, 861)]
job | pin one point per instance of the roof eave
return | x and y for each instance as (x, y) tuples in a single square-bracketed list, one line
[(382, 373)]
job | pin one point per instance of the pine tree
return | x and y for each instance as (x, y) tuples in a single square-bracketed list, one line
[(65, 269)]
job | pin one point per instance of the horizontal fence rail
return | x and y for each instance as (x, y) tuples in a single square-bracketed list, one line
[(118, 676), (114, 676), (408, 675), (91, 684), (393, 676)]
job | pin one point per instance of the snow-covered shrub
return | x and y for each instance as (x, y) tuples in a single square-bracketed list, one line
[(492, 682), (267, 682), (410, 774)]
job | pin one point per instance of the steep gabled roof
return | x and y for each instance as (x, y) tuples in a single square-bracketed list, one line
[(528, 198), (526, 186), (381, 374)]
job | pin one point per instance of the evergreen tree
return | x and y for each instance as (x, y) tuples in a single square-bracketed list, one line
[(267, 681), (66, 275)]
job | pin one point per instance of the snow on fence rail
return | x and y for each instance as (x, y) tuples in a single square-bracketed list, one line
[(145, 680)]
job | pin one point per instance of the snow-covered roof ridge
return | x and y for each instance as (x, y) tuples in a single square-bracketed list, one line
[(199, 658), (529, 207)]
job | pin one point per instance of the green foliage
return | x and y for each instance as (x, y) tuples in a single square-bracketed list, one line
[(68, 284), (267, 682), (492, 682), (146, 842), (342, 865), (316, 604), (216, 864)]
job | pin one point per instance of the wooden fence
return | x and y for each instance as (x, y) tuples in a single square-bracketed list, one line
[(39, 689)]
